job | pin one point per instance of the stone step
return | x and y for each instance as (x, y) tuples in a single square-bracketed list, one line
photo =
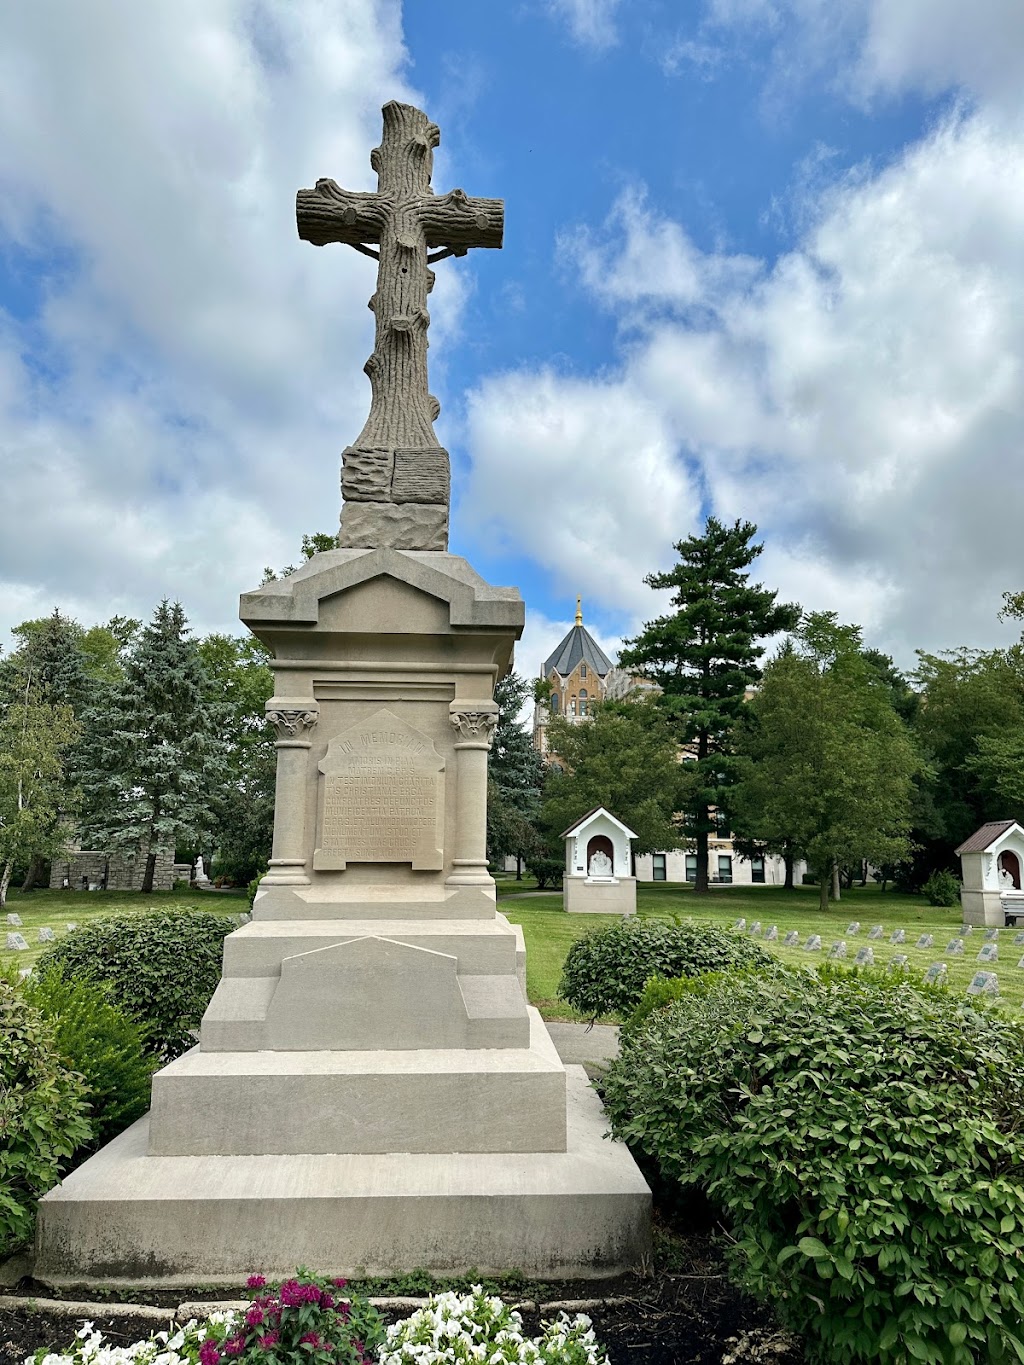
[(443, 1100), (328, 902), (127, 1218), (235, 1019), (482, 947)]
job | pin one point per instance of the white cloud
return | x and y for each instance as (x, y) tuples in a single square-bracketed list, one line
[(591, 23), (880, 47), (171, 417), (861, 400)]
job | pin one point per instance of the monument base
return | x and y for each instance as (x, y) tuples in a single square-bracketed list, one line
[(587, 896), (983, 907), (126, 1218)]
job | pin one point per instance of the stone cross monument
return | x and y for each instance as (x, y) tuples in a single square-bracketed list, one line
[(395, 475), (371, 1091)]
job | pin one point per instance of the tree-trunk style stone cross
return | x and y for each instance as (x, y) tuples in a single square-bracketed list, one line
[(395, 476)]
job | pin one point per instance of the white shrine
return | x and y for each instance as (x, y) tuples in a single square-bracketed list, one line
[(599, 877), (991, 859)]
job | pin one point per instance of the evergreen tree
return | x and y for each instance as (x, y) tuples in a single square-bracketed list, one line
[(705, 655), (154, 758), (515, 777)]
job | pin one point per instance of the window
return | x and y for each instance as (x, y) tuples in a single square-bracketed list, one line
[(658, 870), (691, 867), (572, 707), (583, 701), (757, 869), (554, 703), (725, 867), (583, 673)]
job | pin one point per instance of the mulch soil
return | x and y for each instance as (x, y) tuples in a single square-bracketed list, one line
[(688, 1315)]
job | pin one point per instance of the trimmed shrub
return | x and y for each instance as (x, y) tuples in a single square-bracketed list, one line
[(42, 1115), (865, 1138), (606, 971), (548, 871), (95, 1039), (162, 968), (942, 888)]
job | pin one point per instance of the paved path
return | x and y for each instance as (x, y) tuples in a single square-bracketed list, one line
[(523, 895), (577, 1045)]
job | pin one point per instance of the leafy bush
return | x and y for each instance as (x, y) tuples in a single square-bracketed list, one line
[(548, 871), (866, 1140), (606, 971), (95, 1039), (162, 968), (942, 888), (476, 1327), (253, 887), (42, 1115)]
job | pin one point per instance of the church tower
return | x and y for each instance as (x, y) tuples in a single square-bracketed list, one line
[(576, 672)]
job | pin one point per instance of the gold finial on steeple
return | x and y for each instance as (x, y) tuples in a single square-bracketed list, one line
[(579, 611)]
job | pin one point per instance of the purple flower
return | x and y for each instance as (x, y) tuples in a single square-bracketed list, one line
[(339, 1284), (310, 1339), (255, 1282), (268, 1340), (234, 1346), (208, 1353), (254, 1316)]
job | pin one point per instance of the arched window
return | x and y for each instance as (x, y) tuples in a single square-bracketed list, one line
[(583, 673), (554, 703), (583, 701)]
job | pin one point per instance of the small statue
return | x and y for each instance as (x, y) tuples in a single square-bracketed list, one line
[(600, 864), (200, 870), (1006, 881)]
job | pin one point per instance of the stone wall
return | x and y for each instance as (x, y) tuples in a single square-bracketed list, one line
[(83, 868)]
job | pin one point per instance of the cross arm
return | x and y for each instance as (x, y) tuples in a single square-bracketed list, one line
[(327, 213), (458, 221)]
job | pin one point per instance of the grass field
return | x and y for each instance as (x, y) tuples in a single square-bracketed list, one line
[(56, 909), (549, 932)]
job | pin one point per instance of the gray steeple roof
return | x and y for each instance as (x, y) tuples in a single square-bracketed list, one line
[(578, 646)]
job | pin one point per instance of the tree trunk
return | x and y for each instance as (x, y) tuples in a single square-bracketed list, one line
[(35, 869), (864, 872), (823, 891), (519, 867), (788, 859), (5, 881), (700, 884), (836, 889), (147, 880)]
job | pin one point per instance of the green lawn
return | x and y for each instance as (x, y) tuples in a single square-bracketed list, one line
[(549, 931), (56, 909)]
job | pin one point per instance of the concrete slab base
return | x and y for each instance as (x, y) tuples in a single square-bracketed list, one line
[(128, 1218)]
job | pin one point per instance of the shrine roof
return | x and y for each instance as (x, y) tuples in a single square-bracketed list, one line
[(986, 836), (579, 646)]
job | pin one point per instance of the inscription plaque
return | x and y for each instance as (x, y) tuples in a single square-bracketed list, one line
[(381, 797)]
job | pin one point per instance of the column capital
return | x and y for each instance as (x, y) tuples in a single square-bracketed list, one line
[(475, 727), (293, 723)]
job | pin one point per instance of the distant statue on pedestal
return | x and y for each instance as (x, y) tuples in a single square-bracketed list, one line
[(200, 870), (1006, 880), (600, 864)]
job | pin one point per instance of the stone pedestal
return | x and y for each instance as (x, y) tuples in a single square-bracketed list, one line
[(371, 1092), (595, 896)]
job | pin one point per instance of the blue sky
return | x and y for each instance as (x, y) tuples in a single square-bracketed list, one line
[(762, 259)]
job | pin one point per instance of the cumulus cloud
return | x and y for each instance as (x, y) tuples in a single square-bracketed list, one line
[(182, 373), (860, 399)]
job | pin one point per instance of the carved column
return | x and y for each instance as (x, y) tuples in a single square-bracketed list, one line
[(294, 727), (475, 729)]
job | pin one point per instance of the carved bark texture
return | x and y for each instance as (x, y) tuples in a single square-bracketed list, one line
[(404, 218)]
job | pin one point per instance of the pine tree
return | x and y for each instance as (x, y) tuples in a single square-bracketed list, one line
[(515, 777), (705, 655), (154, 757)]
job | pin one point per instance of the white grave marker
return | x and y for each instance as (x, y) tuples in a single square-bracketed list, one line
[(877, 931), (813, 944), (984, 983), (838, 949), (853, 928), (925, 941), (900, 961), (14, 921), (991, 935), (791, 939), (740, 924), (989, 953), (935, 973), (955, 947), (898, 936), (865, 957), (16, 942), (46, 934), (755, 929), (771, 934)]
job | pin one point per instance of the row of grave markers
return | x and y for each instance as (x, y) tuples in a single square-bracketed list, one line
[(982, 983)]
